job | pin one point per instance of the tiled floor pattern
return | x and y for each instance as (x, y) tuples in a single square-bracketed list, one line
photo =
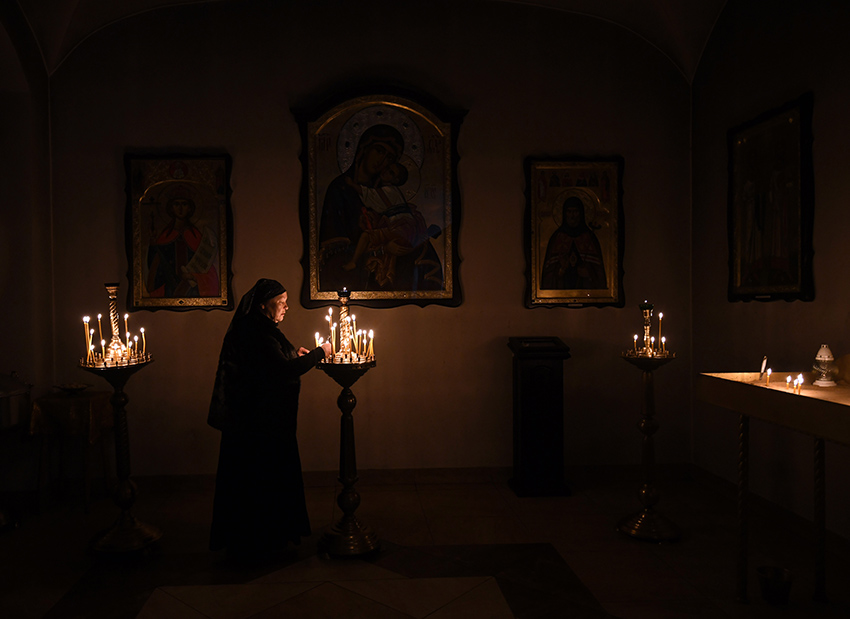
[(455, 543)]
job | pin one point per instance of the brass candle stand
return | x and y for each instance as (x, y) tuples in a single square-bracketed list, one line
[(116, 364), (648, 524), (348, 537)]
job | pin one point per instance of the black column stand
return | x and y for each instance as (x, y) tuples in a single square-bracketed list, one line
[(648, 524), (348, 537), (127, 534)]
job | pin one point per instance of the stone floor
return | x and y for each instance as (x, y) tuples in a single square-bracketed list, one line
[(454, 543)]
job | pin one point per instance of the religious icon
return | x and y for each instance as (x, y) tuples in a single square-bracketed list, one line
[(382, 203), (574, 233), (179, 245)]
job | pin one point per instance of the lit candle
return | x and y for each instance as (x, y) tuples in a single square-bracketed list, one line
[(103, 349), (795, 385), (90, 358), (136, 343), (317, 339), (330, 323), (664, 344), (91, 346), (126, 328), (333, 337), (788, 383), (652, 344), (769, 372), (371, 352), (660, 316), (144, 341), (799, 383), (86, 327), (128, 342), (99, 328), (635, 342)]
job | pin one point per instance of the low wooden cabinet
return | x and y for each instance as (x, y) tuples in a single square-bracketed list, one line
[(538, 416)]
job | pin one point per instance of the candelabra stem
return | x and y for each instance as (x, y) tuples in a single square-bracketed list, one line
[(648, 524), (348, 537), (127, 534)]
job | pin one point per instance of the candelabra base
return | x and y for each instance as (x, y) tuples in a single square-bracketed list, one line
[(126, 535), (349, 538), (648, 524)]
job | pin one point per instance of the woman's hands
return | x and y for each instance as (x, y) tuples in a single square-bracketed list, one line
[(326, 347)]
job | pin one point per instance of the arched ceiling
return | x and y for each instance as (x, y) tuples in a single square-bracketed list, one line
[(679, 29)]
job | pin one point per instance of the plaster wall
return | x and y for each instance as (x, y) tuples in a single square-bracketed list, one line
[(224, 76)]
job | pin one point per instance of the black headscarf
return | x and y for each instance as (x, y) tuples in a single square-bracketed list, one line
[(262, 291)]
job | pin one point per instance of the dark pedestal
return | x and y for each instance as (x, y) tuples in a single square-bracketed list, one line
[(538, 409), (127, 534), (349, 537), (647, 524)]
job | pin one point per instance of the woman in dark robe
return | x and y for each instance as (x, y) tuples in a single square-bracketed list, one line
[(259, 504)]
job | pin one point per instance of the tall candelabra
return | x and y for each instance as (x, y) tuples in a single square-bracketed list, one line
[(116, 365), (647, 523), (348, 537)]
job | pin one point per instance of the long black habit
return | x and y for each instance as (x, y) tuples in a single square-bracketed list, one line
[(259, 501)]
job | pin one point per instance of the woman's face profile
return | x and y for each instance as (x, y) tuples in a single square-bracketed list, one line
[(275, 308)]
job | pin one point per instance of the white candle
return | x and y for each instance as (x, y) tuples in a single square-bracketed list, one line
[(660, 316), (86, 327)]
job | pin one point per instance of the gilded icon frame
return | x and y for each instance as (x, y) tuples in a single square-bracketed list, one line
[(387, 242), (178, 226), (578, 264), (771, 205)]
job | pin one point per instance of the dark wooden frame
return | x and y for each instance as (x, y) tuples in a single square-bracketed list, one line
[(330, 134), (598, 184), (152, 182), (771, 205)]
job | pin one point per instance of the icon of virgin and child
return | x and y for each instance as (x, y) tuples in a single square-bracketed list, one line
[(372, 234)]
